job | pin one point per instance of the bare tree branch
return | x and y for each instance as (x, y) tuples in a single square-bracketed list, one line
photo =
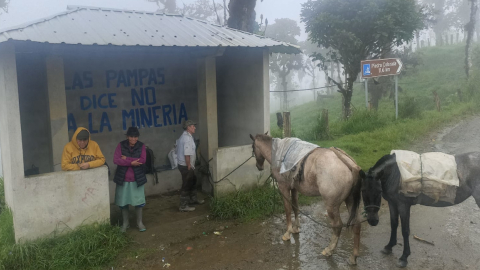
[(215, 10)]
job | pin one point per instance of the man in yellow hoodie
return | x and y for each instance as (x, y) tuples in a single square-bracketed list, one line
[(81, 153)]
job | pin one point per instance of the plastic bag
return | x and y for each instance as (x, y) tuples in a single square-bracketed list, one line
[(172, 156)]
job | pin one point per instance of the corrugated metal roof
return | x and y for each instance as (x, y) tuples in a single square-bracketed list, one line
[(102, 26)]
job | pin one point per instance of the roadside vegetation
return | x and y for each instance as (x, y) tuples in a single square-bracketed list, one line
[(370, 134), (87, 247)]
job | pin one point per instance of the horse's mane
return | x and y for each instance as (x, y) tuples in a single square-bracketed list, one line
[(263, 138), (390, 179)]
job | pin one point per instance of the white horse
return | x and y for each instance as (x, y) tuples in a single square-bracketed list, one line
[(329, 173)]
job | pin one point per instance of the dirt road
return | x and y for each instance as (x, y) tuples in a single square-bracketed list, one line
[(187, 241)]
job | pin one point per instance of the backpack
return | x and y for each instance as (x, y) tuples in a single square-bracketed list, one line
[(150, 163)]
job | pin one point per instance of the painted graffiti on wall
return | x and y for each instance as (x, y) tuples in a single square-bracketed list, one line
[(143, 110)]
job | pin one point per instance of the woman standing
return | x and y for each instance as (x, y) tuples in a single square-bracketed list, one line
[(130, 157)]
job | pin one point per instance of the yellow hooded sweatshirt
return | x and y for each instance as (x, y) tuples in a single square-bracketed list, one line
[(73, 156)]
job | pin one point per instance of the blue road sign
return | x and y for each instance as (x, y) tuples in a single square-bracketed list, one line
[(366, 69)]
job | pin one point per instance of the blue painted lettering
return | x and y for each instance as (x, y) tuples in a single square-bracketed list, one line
[(182, 114), (90, 124), (152, 77), (137, 117), (146, 118), (111, 75), (167, 109), (143, 74), (84, 106), (121, 79), (110, 100), (105, 122), (87, 77), (174, 115), (72, 125), (132, 74), (129, 115), (100, 101), (161, 75), (140, 98), (77, 82), (151, 99), (156, 116)]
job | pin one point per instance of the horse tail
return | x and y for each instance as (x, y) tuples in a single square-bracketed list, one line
[(357, 183), (356, 194)]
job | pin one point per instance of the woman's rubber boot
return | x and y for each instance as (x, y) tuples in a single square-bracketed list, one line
[(140, 225), (125, 223), (194, 199), (184, 204)]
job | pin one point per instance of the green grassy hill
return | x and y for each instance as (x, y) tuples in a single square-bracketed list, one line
[(368, 135)]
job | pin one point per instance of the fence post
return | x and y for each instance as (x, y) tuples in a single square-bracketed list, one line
[(287, 130), (324, 129)]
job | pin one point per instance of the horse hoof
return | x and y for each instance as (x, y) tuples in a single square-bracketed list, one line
[(296, 230), (353, 260), (326, 252), (402, 264), (286, 237), (386, 251)]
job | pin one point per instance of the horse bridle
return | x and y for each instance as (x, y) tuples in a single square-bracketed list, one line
[(371, 206)]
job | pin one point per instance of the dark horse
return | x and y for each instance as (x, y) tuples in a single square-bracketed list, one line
[(384, 179)]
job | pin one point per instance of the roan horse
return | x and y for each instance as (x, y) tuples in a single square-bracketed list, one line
[(329, 173), (384, 179)]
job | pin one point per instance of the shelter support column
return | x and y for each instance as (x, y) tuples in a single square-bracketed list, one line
[(207, 109), (266, 91), (10, 126), (58, 108)]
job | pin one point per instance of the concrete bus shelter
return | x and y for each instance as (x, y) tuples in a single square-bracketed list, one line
[(107, 70)]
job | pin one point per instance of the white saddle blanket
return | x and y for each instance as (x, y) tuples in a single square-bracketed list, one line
[(286, 153), (433, 174)]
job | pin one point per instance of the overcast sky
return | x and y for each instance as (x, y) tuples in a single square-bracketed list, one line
[(22, 11)]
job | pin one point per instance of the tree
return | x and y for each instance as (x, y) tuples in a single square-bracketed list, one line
[(357, 30), (310, 64), (242, 15), (167, 6), (206, 10), (4, 5), (281, 65), (470, 28)]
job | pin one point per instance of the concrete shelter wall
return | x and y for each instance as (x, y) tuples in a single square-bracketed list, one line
[(10, 127), (241, 95), (61, 201), (226, 159)]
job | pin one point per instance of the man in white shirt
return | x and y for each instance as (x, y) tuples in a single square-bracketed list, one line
[(186, 155)]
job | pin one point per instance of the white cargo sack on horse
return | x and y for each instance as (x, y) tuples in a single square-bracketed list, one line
[(172, 156), (433, 174), (286, 153)]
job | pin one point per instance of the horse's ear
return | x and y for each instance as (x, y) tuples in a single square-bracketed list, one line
[(251, 137), (266, 133)]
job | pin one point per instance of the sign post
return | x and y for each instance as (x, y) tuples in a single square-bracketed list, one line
[(396, 96), (366, 93), (382, 67)]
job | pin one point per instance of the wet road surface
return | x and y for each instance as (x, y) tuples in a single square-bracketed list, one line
[(189, 243)]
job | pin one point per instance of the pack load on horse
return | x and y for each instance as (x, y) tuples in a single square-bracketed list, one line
[(405, 178), (302, 167)]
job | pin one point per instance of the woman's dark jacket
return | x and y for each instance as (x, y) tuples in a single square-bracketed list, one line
[(139, 171)]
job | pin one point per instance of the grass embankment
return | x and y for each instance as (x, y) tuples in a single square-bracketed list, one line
[(369, 135), (87, 247), (253, 204)]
